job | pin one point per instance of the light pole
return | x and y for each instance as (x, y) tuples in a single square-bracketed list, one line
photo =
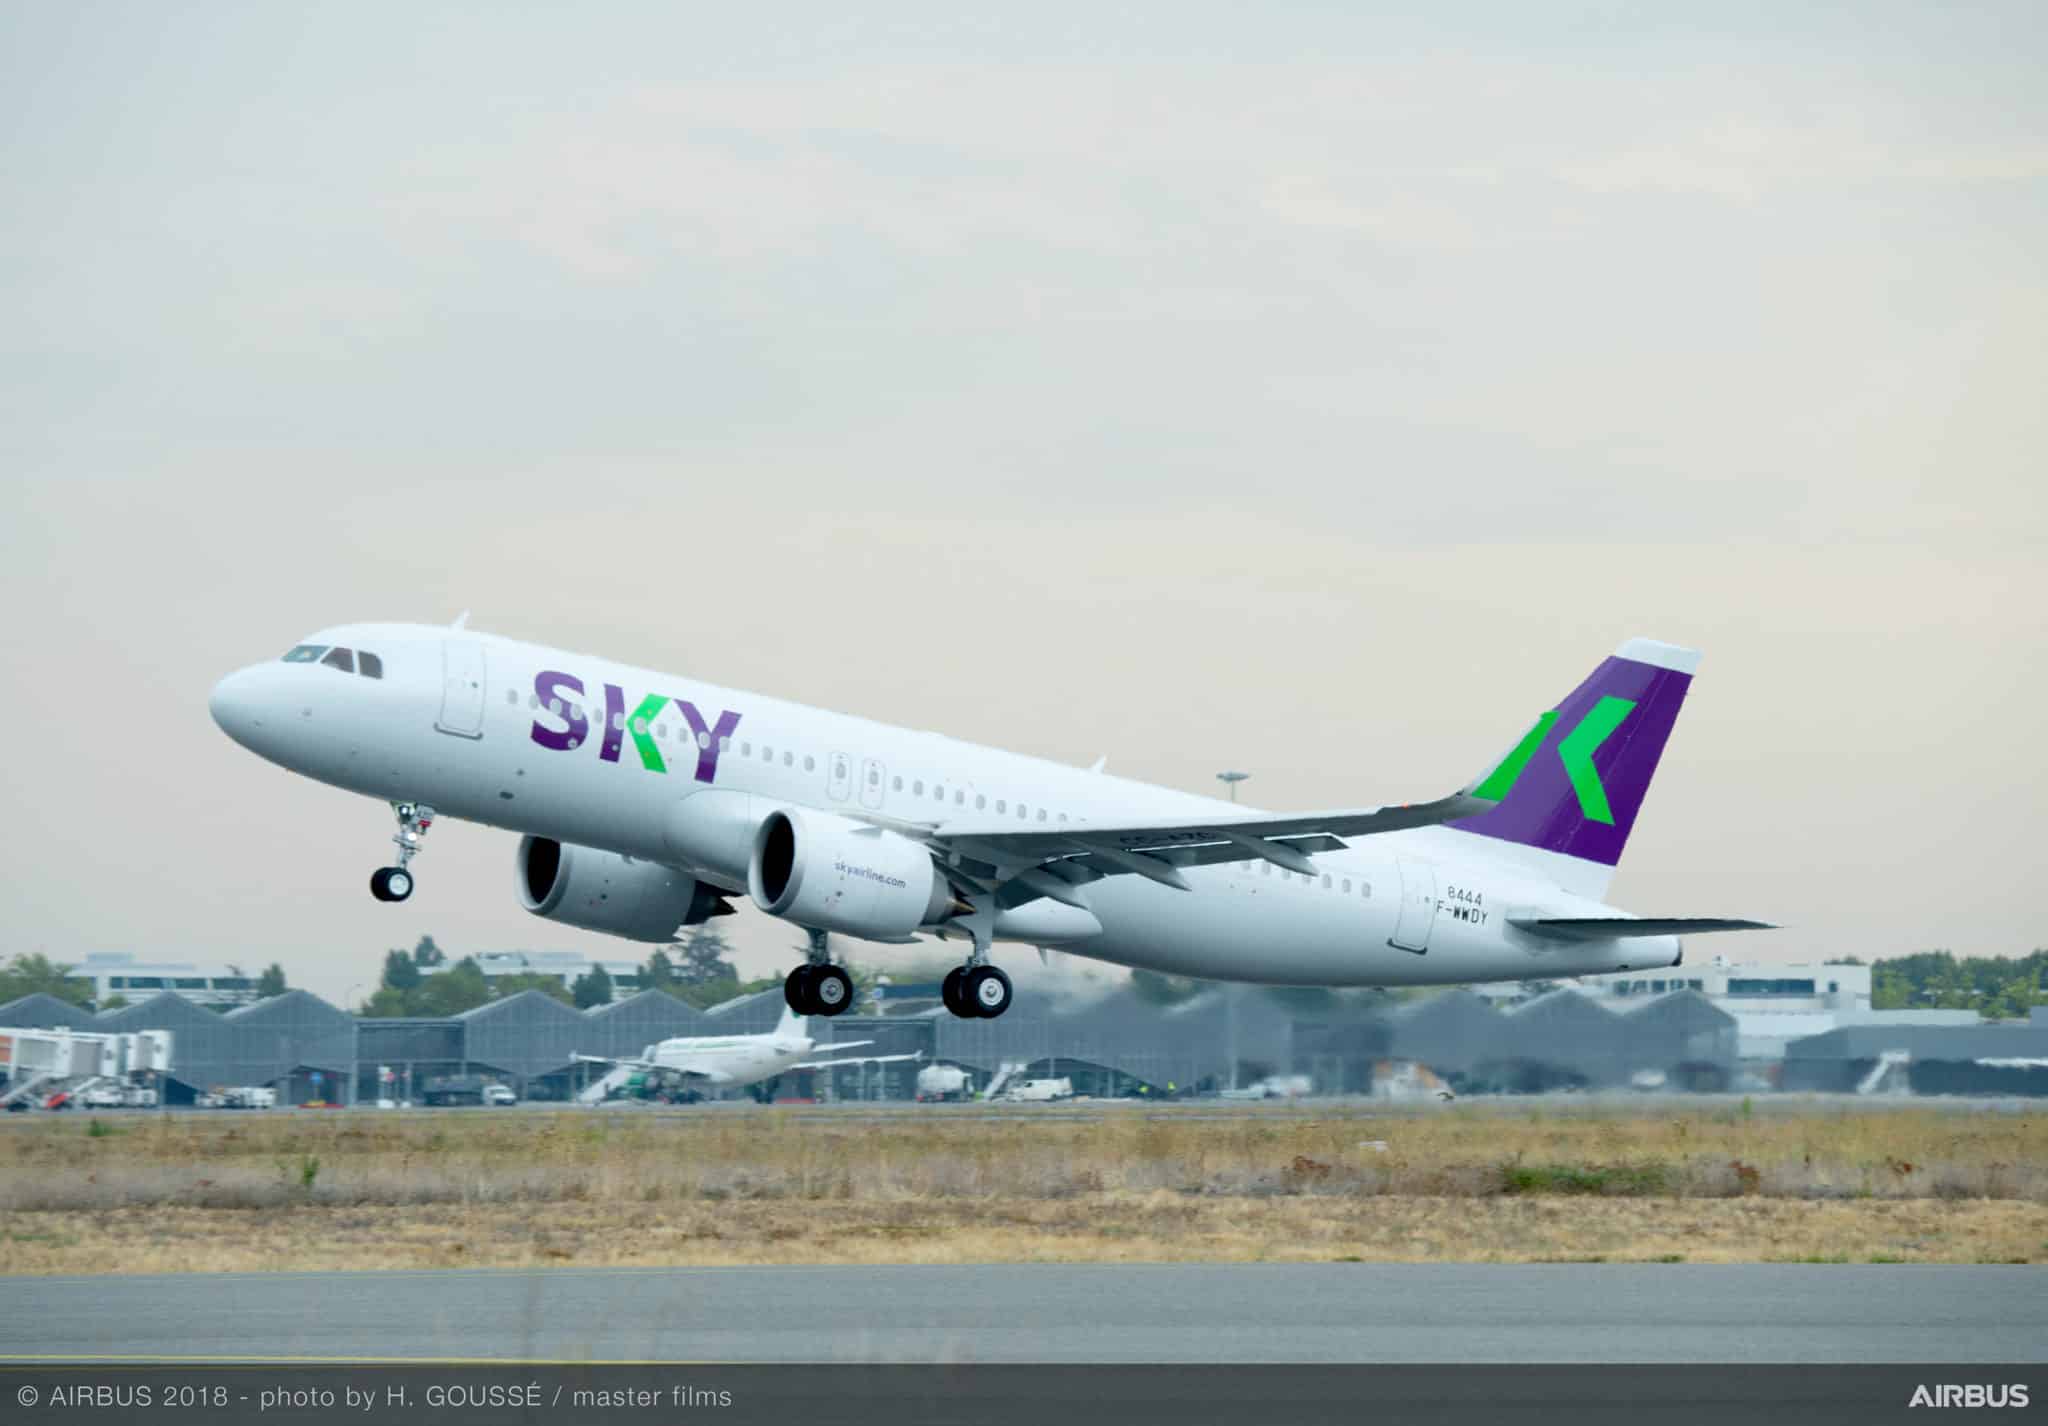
[(1232, 779), (355, 1047)]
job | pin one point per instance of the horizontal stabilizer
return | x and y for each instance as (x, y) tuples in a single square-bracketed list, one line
[(1607, 928)]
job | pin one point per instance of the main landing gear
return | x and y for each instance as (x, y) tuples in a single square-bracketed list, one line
[(975, 992), (394, 883), (817, 987)]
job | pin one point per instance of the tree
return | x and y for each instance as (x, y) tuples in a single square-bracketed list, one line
[(659, 973), (116, 1001), (401, 973), (706, 994), (450, 992), (704, 957), (592, 988), (36, 974), (426, 955), (1996, 986), (548, 985), (271, 982)]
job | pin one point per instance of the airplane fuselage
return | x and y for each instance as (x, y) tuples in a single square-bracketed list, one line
[(672, 770)]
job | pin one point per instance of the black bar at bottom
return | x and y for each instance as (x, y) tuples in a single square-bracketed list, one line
[(1005, 1395)]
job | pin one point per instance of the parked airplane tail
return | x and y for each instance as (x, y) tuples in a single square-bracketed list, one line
[(790, 1025), (1575, 782)]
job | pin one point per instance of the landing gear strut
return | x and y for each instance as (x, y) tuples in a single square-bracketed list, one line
[(394, 883), (818, 987)]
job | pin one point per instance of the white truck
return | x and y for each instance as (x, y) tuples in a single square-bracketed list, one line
[(499, 1094), (249, 1096), (1039, 1091), (937, 1083)]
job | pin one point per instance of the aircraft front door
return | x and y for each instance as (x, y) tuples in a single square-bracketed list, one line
[(872, 775), (462, 688), (1418, 907)]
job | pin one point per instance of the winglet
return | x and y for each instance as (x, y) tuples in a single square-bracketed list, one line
[(461, 620), (1099, 763)]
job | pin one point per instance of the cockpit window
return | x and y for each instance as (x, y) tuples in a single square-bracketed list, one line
[(306, 653), (369, 665), (340, 658)]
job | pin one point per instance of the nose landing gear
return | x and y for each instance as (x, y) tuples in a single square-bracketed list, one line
[(818, 987), (394, 883)]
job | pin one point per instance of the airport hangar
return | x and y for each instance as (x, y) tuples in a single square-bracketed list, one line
[(1121, 1044)]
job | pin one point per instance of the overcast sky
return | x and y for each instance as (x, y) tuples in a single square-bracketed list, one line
[(1305, 389)]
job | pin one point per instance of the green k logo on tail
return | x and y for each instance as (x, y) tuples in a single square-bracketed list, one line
[(1575, 750)]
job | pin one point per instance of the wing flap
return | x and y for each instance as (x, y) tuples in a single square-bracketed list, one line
[(1608, 928)]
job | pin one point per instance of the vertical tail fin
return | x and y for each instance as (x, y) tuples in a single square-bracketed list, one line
[(1573, 785), (790, 1025)]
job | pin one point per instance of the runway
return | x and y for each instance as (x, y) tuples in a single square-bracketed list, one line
[(1331, 1313)]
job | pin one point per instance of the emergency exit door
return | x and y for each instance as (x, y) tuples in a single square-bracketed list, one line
[(1418, 908), (462, 688)]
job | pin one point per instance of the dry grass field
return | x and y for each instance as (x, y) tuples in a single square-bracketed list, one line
[(1496, 1182)]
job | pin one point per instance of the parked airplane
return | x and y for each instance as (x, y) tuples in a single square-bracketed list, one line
[(735, 1061), (646, 800)]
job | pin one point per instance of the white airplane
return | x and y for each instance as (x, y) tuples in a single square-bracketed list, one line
[(648, 799), (735, 1061)]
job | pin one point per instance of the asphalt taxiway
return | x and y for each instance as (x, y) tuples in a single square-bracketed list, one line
[(1337, 1312)]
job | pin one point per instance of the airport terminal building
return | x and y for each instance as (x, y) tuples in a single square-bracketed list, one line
[(1226, 1039)]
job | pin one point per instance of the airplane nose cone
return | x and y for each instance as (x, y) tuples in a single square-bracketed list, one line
[(235, 707)]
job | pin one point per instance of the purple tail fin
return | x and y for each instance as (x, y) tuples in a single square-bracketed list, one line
[(1575, 782)]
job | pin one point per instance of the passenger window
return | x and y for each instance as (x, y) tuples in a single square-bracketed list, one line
[(1326, 881), (788, 758), (959, 797), (917, 788), (746, 750), (725, 745), (810, 764), (341, 659), (661, 730), (1041, 814), (1021, 813), (1063, 816), (897, 785), (980, 801), (555, 706), (640, 726), (370, 666), (939, 793), (1265, 868), (306, 653), (767, 753), (1365, 889), (874, 777), (1347, 886), (1002, 806)]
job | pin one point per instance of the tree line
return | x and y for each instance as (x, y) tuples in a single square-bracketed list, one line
[(423, 982)]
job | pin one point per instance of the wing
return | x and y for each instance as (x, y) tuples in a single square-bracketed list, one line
[(1602, 928), (858, 1060), (1022, 865)]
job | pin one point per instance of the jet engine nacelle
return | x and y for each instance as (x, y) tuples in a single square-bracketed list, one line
[(604, 891), (835, 874)]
